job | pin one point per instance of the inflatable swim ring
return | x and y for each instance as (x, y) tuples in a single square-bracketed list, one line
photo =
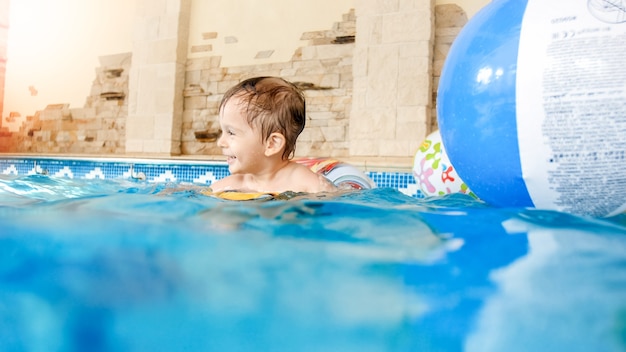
[(236, 195), (342, 175)]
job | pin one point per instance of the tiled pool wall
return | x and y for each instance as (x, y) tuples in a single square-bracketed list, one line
[(196, 172)]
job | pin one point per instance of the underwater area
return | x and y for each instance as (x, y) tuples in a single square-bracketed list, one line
[(121, 264)]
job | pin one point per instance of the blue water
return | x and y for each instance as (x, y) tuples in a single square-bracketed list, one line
[(119, 265)]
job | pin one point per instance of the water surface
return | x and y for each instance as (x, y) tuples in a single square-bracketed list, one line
[(111, 265)]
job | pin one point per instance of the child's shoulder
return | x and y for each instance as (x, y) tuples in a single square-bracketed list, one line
[(227, 183), (302, 172), (313, 182)]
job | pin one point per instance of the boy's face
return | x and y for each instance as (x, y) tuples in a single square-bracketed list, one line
[(239, 142)]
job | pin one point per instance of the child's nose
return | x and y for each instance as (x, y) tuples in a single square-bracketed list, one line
[(221, 140)]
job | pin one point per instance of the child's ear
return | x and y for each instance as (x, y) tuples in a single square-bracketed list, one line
[(275, 144)]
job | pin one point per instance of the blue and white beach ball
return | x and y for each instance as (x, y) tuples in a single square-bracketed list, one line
[(532, 105), (433, 171)]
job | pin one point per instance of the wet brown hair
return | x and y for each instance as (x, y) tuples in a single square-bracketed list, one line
[(271, 104)]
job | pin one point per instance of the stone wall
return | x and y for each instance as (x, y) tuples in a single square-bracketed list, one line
[(392, 78), (449, 20), (156, 80), (97, 128), (4, 27), (324, 68)]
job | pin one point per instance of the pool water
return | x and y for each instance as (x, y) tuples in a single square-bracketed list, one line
[(128, 265)]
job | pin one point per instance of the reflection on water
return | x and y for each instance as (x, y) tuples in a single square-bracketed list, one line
[(568, 293), (126, 265)]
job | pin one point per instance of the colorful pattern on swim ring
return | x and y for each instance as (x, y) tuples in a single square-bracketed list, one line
[(433, 171)]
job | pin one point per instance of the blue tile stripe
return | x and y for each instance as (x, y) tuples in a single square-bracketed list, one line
[(196, 172), (402, 181)]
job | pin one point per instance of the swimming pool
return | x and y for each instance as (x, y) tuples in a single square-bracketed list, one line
[(129, 255)]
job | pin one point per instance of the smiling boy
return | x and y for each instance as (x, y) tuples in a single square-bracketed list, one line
[(261, 119)]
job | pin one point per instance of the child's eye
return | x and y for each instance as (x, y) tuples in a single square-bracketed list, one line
[(228, 132)]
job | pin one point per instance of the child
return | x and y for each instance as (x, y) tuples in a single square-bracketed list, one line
[(261, 119)]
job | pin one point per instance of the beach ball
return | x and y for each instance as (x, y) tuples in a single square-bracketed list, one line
[(531, 105), (433, 172)]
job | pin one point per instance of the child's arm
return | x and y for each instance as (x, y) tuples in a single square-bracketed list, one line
[(324, 185)]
